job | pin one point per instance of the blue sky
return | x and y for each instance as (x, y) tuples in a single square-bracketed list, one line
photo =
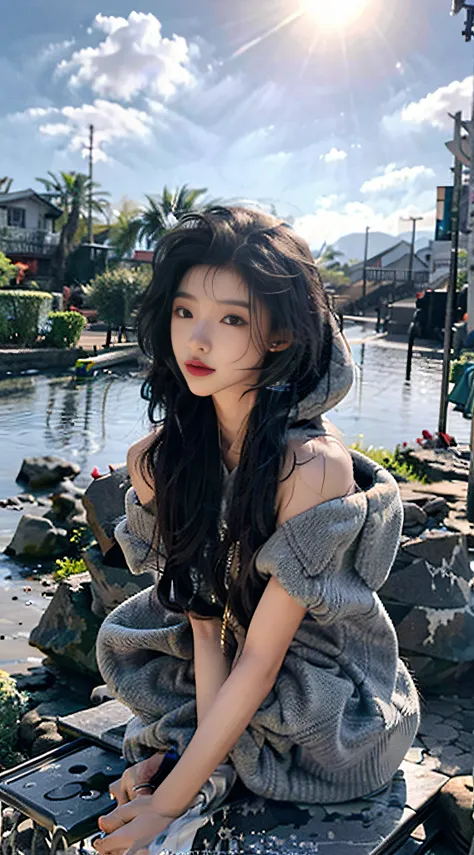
[(339, 128)]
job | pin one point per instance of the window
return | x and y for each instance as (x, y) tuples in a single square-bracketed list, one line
[(17, 217)]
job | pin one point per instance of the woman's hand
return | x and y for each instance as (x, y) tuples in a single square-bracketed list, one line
[(134, 824), (141, 773)]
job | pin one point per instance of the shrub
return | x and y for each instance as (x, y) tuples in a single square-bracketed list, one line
[(24, 314), (116, 294), (458, 366), (13, 704), (66, 567), (8, 271), (64, 329)]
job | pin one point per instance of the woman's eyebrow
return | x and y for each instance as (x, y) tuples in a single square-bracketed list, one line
[(242, 303)]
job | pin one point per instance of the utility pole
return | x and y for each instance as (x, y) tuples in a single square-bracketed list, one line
[(364, 275), (91, 168), (453, 272), (413, 221)]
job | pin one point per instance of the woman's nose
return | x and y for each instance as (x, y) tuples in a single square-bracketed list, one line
[(200, 337)]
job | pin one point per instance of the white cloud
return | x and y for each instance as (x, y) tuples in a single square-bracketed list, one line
[(133, 58), (327, 202), (434, 108), (327, 224), (393, 178), (112, 123), (334, 155), (54, 50)]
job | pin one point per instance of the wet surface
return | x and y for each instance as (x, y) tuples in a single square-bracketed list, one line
[(93, 423)]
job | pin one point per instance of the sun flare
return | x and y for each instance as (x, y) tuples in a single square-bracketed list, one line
[(332, 14)]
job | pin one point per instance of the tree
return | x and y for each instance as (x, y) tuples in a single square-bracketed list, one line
[(70, 191), (8, 271), (5, 184), (164, 212), (329, 258), (116, 294), (122, 233)]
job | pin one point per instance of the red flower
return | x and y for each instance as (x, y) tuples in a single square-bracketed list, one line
[(95, 473), (426, 434)]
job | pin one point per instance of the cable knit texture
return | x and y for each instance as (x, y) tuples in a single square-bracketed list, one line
[(344, 710)]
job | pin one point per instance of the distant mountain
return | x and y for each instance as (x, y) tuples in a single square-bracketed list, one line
[(352, 246)]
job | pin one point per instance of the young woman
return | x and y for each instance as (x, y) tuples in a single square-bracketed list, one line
[(264, 642)]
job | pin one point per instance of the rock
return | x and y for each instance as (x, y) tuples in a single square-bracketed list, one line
[(28, 724), (68, 486), (436, 507), (455, 803), (14, 502), (27, 497), (104, 501), (111, 586), (439, 464), (36, 537), (413, 515), (432, 571), (444, 634), (35, 679), (46, 742), (67, 511), (46, 471), (68, 628)]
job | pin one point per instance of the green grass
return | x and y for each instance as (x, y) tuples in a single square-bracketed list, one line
[(396, 462)]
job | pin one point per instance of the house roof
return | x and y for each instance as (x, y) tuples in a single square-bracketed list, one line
[(378, 255), (18, 195)]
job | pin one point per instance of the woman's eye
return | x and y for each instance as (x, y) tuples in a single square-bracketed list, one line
[(234, 321), (181, 312)]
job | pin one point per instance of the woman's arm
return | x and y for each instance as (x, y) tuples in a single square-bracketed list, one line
[(211, 666), (273, 626)]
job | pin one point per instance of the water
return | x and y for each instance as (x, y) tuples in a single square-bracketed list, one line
[(93, 422)]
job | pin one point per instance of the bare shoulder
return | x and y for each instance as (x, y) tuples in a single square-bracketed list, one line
[(315, 471), (143, 485)]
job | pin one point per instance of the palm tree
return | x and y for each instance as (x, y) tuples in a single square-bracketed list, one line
[(5, 184), (71, 192), (329, 257), (164, 212)]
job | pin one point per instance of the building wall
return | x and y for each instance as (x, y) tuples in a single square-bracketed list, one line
[(34, 214)]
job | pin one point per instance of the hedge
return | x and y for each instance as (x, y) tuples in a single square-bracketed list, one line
[(23, 315), (64, 329)]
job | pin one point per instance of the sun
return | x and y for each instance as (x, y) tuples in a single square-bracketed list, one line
[(334, 14)]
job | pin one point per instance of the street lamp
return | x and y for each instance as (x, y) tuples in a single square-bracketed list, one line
[(413, 221), (456, 7)]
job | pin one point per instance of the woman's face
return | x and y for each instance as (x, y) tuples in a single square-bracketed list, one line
[(211, 327)]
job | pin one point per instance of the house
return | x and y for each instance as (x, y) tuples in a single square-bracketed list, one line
[(27, 232), (391, 265)]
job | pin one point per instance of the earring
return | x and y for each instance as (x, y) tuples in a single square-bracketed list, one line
[(274, 345)]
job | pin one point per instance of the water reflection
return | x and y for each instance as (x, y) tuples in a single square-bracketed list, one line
[(93, 422)]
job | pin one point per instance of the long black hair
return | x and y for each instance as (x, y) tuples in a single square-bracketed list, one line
[(185, 459)]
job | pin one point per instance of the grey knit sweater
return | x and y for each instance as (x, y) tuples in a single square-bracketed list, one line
[(344, 710)]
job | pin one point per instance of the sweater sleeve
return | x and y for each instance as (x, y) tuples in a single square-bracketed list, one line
[(311, 555), (136, 534)]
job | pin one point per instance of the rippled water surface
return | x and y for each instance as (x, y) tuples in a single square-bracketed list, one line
[(93, 422)]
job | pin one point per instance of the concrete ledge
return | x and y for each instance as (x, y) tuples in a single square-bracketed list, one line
[(15, 360)]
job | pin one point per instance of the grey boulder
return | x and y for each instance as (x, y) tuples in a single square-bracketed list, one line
[(37, 537), (46, 471)]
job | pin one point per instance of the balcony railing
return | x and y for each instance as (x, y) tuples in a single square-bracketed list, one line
[(19, 241), (379, 274)]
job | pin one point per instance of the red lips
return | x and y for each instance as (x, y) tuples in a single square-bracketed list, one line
[(198, 368)]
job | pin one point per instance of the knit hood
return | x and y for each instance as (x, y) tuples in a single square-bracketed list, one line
[(368, 521), (333, 387)]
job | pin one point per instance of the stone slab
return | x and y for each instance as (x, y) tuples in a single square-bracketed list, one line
[(370, 826), (104, 724)]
